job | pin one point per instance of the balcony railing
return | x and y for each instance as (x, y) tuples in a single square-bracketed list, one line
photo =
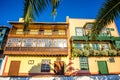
[(101, 37), (86, 53), (36, 50), (37, 34)]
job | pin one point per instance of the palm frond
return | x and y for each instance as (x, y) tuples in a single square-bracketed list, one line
[(32, 8), (106, 15)]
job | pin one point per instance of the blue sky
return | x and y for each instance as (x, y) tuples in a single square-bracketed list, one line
[(12, 10)]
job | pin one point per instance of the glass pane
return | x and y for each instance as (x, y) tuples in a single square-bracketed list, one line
[(105, 46), (0, 63), (78, 46), (14, 42), (79, 31), (84, 63), (29, 42)]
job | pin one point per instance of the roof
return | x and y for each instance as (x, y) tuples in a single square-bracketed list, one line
[(42, 23), (4, 27), (37, 25)]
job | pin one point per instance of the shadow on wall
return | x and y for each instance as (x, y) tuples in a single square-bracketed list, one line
[(35, 70)]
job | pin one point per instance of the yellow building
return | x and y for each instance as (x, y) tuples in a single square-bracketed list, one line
[(61, 48), (41, 50), (100, 56)]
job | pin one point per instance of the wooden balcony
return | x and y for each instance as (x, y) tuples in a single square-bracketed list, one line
[(51, 51), (39, 35)]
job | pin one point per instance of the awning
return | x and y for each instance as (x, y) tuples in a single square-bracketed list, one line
[(115, 38), (79, 38), (104, 38)]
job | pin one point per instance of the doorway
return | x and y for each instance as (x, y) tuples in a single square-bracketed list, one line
[(59, 67), (14, 68), (102, 66)]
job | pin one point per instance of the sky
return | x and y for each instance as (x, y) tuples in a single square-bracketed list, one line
[(12, 10)]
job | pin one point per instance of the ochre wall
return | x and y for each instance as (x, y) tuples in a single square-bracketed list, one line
[(113, 68), (26, 68), (81, 22)]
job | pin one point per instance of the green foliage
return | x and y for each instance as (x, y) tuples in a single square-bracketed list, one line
[(108, 12), (86, 53), (104, 52), (112, 52), (86, 47), (32, 8), (96, 53), (76, 52)]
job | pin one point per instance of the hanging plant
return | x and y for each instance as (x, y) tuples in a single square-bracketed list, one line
[(118, 52), (104, 52), (113, 52), (96, 53), (79, 52), (86, 53)]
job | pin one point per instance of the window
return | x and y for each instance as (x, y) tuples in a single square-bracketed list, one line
[(60, 42), (0, 63), (47, 32), (105, 46), (89, 26), (45, 65), (29, 42), (61, 32), (95, 46), (44, 43), (14, 42), (111, 60), (79, 31), (33, 31), (78, 46), (104, 32), (84, 63), (112, 29)]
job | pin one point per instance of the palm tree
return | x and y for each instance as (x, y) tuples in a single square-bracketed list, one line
[(32, 8), (109, 11)]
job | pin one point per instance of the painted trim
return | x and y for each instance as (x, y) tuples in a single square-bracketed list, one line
[(6, 58)]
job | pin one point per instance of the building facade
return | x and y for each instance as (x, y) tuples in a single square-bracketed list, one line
[(100, 56), (40, 50), (61, 48), (3, 38)]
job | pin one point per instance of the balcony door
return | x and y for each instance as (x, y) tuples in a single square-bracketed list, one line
[(14, 68), (59, 67)]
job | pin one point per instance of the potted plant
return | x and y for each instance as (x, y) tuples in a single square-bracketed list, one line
[(86, 53), (113, 52), (79, 52), (86, 50), (96, 53), (104, 52)]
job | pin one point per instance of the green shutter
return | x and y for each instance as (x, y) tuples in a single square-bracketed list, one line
[(102, 65), (84, 63)]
